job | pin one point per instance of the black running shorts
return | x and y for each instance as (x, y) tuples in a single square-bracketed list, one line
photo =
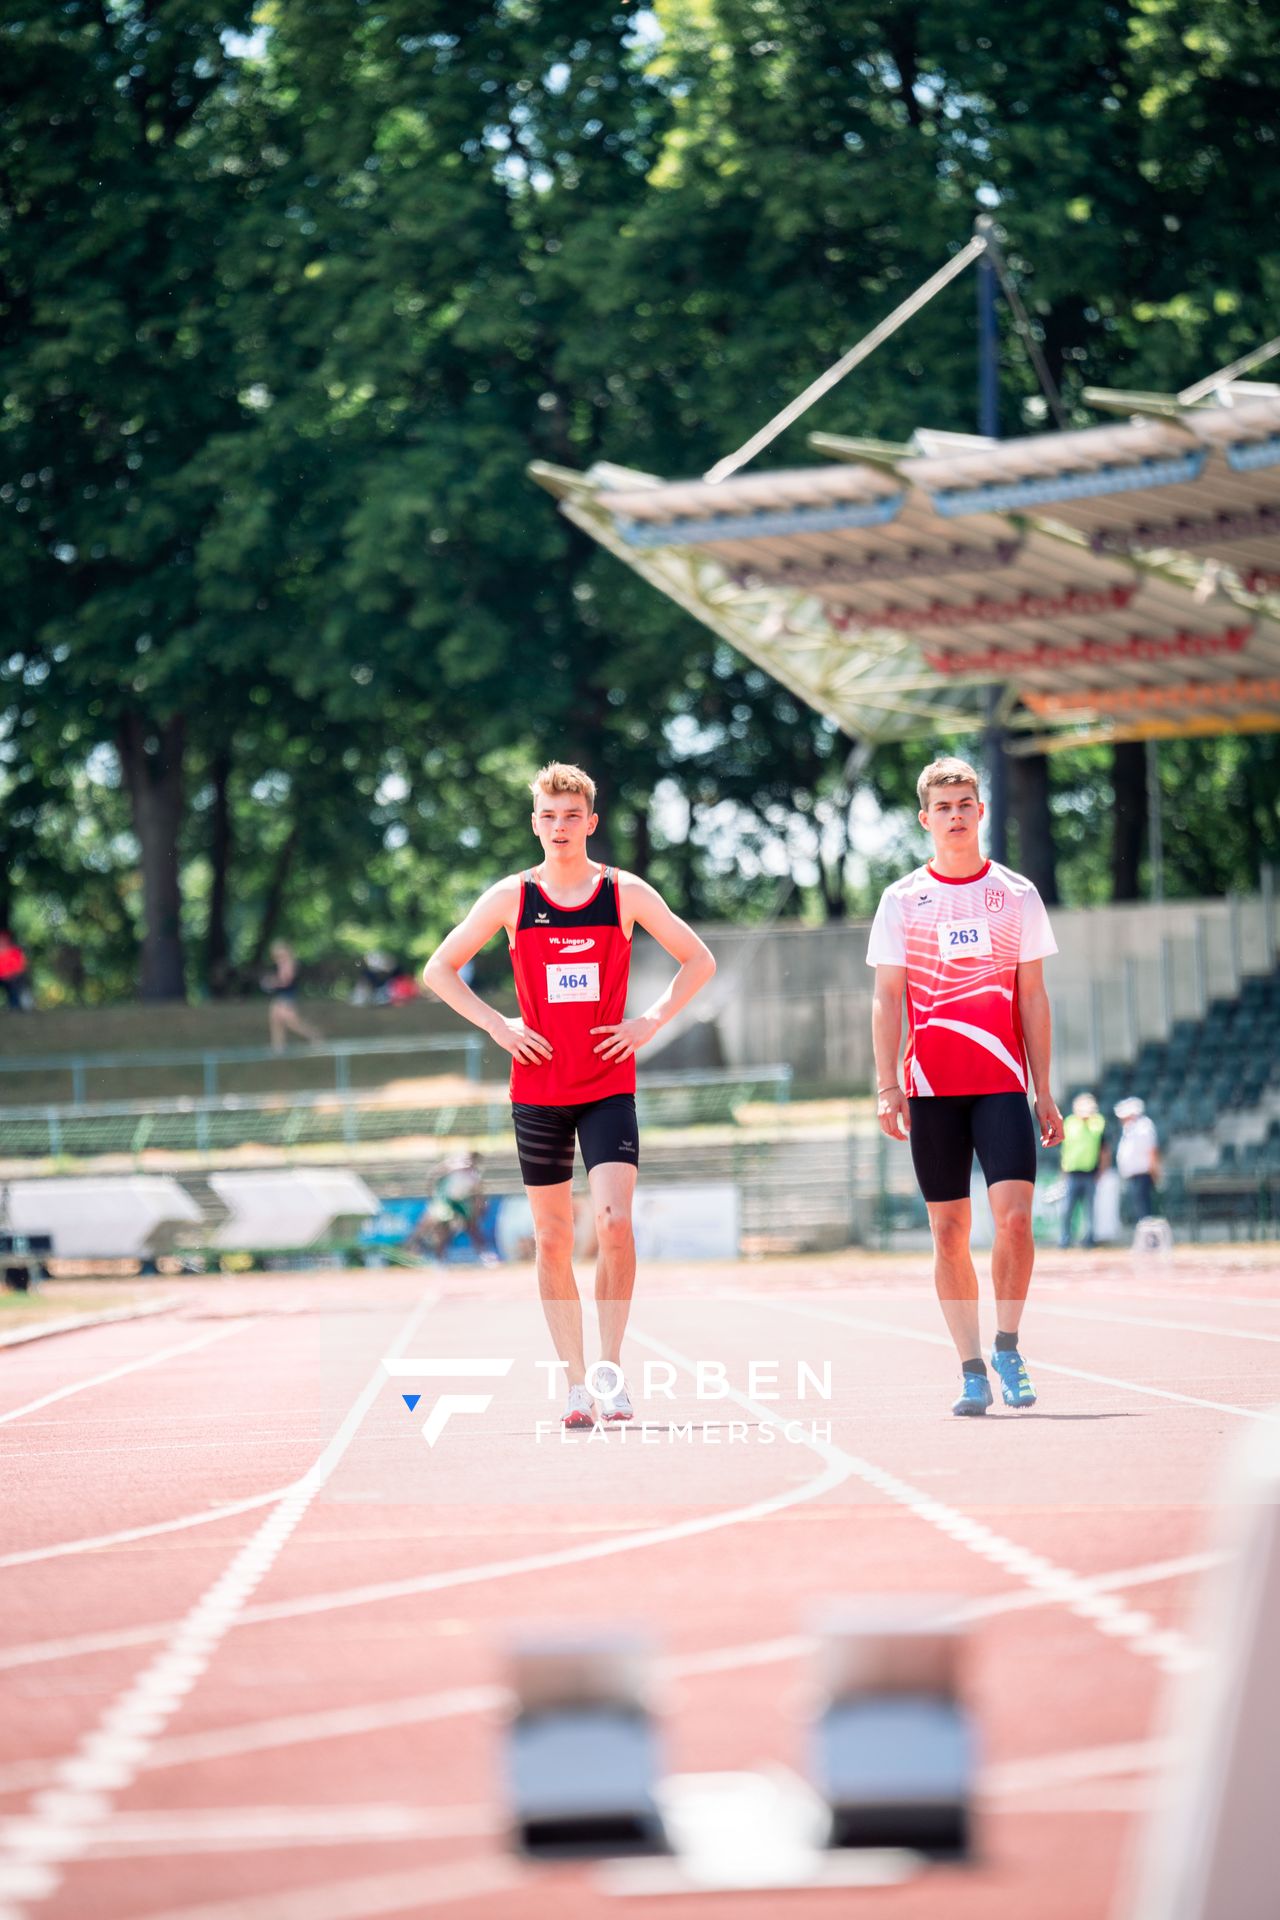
[(948, 1129), (605, 1130)]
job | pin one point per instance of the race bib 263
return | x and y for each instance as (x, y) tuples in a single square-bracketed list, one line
[(964, 940)]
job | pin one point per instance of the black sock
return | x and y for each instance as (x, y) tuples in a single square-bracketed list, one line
[(974, 1366), (1006, 1343)]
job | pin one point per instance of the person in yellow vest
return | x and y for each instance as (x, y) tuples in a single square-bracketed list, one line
[(1082, 1156)]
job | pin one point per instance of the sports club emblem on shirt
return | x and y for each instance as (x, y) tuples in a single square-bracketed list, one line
[(993, 899)]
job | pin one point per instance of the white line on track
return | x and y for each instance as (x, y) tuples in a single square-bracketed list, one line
[(831, 1476), (338, 1723), (187, 1830), (1162, 1326), (860, 1324), (1109, 1616), (100, 1542), (65, 1820), (1081, 1763), (118, 1373)]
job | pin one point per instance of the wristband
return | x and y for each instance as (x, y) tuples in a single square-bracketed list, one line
[(891, 1086)]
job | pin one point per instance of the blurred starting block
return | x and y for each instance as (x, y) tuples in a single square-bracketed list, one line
[(583, 1756), (893, 1752)]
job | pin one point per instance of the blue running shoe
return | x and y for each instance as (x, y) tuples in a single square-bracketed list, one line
[(976, 1397), (1014, 1384)]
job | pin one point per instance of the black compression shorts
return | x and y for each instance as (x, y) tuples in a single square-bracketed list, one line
[(605, 1130), (947, 1130)]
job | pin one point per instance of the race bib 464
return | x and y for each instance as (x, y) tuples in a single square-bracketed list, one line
[(567, 982)]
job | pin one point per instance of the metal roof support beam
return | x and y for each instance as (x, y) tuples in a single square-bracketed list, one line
[(854, 358), (1202, 388)]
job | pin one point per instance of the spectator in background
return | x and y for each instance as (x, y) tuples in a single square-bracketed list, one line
[(371, 984), (281, 987), (457, 1205), (1138, 1157), (1082, 1150), (13, 973), (402, 986)]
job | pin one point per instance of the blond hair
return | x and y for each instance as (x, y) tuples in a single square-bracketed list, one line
[(559, 777), (947, 772)]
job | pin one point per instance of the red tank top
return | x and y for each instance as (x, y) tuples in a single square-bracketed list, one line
[(571, 966)]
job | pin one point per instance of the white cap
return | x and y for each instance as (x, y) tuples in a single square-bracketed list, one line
[(1130, 1109)]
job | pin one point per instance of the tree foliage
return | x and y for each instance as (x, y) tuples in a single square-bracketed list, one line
[(289, 302)]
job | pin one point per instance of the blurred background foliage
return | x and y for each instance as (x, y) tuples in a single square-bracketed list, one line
[(290, 295)]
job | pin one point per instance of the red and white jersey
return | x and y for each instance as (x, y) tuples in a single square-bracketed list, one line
[(961, 942), (572, 966)]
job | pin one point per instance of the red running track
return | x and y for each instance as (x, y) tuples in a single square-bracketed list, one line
[(253, 1628)]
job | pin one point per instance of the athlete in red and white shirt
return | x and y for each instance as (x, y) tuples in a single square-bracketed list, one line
[(964, 940), (569, 923)]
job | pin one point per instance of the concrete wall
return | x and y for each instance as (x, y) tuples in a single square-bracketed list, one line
[(1122, 975)]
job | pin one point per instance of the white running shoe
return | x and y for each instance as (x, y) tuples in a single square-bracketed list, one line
[(617, 1408), (577, 1411)]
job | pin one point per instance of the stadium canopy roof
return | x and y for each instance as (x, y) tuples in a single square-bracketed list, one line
[(1121, 582)]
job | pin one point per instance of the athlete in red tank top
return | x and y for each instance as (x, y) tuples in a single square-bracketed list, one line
[(572, 966), (568, 924)]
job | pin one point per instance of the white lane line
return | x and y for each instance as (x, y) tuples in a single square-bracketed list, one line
[(190, 1830), (304, 1729), (1109, 1616), (1156, 1571), (100, 1542), (118, 1373), (370, 1898), (1163, 1326), (1081, 1763), (64, 1821), (858, 1323), (342, 1723)]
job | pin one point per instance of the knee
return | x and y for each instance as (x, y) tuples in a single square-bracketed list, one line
[(555, 1240), (950, 1235), (613, 1229), (1013, 1221)]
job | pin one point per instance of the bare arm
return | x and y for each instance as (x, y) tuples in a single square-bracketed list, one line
[(492, 912), (892, 1110), (641, 905), (1037, 1032)]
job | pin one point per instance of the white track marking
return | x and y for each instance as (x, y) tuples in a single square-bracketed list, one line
[(1163, 1326), (301, 1729), (1082, 1763), (1109, 1616), (859, 1324), (292, 1730), (188, 1830), (100, 1542), (65, 1820), (1120, 1582), (214, 1745), (370, 1898), (78, 1646), (118, 1373), (337, 1723)]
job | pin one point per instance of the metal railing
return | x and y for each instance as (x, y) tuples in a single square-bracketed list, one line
[(211, 1060), (341, 1116)]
